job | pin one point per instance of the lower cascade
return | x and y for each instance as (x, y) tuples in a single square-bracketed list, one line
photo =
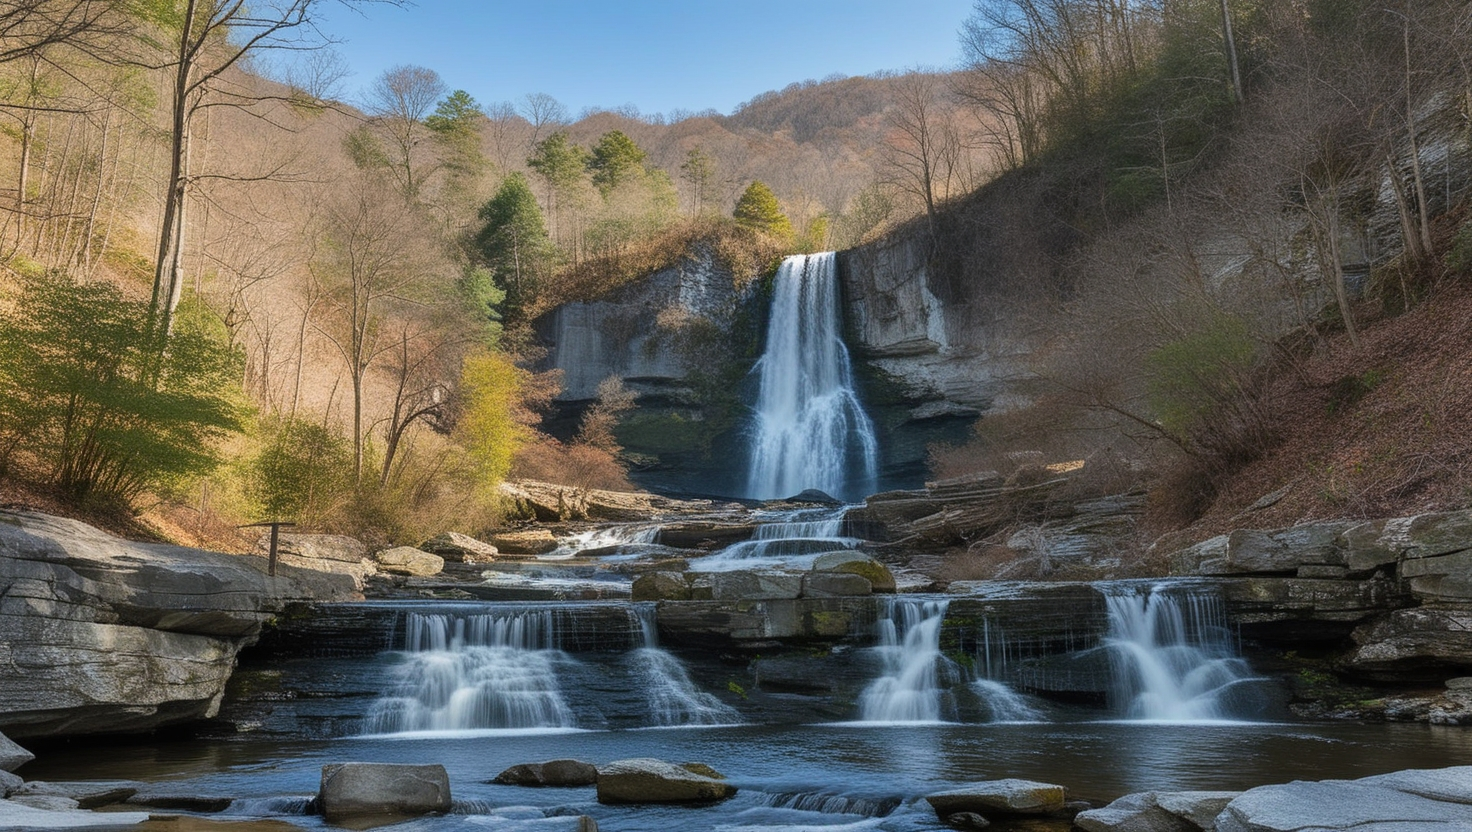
[(793, 540), (1173, 655), (916, 678), (494, 670), (504, 669), (810, 429), (673, 698)]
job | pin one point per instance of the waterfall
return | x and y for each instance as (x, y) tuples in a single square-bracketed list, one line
[(673, 698), (1172, 653), (1004, 704), (497, 670), (914, 671), (810, 430), (793, 540)]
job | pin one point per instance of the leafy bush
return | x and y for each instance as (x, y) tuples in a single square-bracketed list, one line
[(303, 470), (97, 405)]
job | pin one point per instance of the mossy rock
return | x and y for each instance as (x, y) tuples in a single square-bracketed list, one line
[(857, 563)]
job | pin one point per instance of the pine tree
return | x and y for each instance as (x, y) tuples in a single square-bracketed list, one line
[(513, 242), (758, 209), (616, 159)]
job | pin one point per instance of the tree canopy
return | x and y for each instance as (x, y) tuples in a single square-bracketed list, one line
[(758, 209)]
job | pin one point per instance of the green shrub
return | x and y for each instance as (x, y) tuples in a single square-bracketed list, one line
[(1191, 378), (88, 394), (303, 470)]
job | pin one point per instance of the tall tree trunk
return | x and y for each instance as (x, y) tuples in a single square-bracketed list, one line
[(1231, 44), (159, 311)]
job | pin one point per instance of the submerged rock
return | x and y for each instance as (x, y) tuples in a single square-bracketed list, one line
[(645, 780), (12, 756), (550, 773), (999, 797), (355, 790)]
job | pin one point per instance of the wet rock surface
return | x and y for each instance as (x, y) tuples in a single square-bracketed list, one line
[(645, 780), (991, 798), (357, 790), (550, 773)]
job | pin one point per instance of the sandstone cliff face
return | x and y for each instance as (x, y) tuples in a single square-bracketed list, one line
[(103, 635), (684, 340)]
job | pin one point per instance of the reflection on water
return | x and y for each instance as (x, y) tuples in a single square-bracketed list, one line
[(1095, 760)]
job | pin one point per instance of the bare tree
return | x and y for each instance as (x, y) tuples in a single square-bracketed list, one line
[(400, 99), (29, 27), (922, 148), (546, 114)]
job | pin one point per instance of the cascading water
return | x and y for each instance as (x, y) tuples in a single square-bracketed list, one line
[(913, 687), (673, 698), (1173, 655), (497, 670), (793, 540), (810, 430)]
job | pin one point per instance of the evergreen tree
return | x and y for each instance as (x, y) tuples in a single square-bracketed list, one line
[(513, 242), (616, 159), (758, 210), (560, 164)]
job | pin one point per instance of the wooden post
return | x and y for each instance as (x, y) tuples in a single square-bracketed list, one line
[(275, 541)]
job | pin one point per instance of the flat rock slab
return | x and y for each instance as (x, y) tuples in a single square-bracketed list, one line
[(406, 560), (999, 797), (461, 548), (355, 790), (18, 816), (1140, 812), (1453, 785), (645, 780), (1337, 804)]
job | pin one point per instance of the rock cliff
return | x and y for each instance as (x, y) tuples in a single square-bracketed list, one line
[(103, 635)]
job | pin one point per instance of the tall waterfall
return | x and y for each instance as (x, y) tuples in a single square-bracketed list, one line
[(1173, 655), (914, 687), (810, 431)]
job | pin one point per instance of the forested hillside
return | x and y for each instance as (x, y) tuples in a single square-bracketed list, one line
[(301, 306)]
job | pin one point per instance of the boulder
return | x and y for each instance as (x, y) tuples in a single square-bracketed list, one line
[(967, 821), (406, 560), (460, 548), (12, 756), (835, 585), (1200, 808), (1134, 813), (1421, 643), (992, 798), (332, 553), (1339, 804), (857, 563), (355, 790), (550, 773), (49, 802), (1254, 551), (104, 635), (661, 586), (15, 815), (10, 783), (537, 541), (744, 585), (1382, 542), (647, 780), (744, 624)]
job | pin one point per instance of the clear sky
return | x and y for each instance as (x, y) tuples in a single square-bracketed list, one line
[(658, 55)]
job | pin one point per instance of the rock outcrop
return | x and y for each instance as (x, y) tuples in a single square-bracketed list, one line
[(1424, 799), (103, 635), (1400, 589), (12, 756)]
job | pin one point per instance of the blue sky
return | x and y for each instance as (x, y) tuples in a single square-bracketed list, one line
[(658, 55)]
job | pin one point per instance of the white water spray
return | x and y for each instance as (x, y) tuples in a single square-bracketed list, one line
[(810, 431), (1173, 655), (673, 698), (475, 672), (912, 688)]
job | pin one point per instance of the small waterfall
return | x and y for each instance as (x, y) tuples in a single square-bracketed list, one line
[(794, 539), (497, 670), (912, 687), (673, 698), (833, 804), (1004, 703), (624, 538), (810, 431), (1172, 653)]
